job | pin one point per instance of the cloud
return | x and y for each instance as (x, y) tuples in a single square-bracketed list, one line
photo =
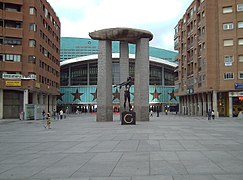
[(78, 18)]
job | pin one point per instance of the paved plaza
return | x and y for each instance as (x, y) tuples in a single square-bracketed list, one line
[(171, 147)]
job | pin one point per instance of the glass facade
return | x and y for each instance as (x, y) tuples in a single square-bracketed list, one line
[(77, 47)]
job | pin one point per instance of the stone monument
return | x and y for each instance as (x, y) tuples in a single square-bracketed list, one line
[(141, 83)]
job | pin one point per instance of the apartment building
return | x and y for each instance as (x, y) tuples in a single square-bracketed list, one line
[(29, 58), (209, 40)]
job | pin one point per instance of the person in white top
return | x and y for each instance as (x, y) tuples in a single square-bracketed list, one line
[(61, 114)]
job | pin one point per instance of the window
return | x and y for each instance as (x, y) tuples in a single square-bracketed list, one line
[(32, 11), (228, 76), (228, 26), (228, 60), (31, 59), (241, 58), (240, 41), (239, 7), (32, 27), (240, 24), (32, 43), (240, 75), (1, 57), (227, 9), (12, 57), (228, 42), (203, 14), (12, 41)]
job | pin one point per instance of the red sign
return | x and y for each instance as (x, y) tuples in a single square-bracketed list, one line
[(241, 98)]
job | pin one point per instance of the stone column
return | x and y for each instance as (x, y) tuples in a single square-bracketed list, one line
[(199, 105), (124, 70), (54, 102), (209, 101), (26, 100), (195, 105), (141, 85), (188, 112), (104, 86), (46, 103), (230, 106), (1, 103), (215, 103), (41, 99), (50, 103), (204, 105), (181, 104), (35, 98)]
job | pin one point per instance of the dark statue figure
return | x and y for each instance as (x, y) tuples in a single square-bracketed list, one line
[(127, 84)]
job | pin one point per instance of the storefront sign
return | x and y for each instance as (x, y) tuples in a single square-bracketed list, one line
[(238, 86), (13, 83), (37, 85), (18, 76), (235, 94)]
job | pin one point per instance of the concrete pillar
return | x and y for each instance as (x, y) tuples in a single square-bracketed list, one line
[(195, 105), (124, 70), (204, 105), (188, 105), (41, 99), (50, 103), (54, 102), (1, 103), (215, 103), (104, 85), (200, 103), (46, 102), (35, 98), (209, 101), (181, 105), (230, 106), (141, 89), (26, 100)]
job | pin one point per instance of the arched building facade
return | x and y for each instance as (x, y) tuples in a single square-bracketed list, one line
[(78, 91)]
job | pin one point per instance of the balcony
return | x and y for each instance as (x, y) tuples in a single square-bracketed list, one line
[(190, 46), (189, 33), (14, 16), (20, 2), (11, 32), (8, 49), (198, 9), (190, 59), (11, 66)]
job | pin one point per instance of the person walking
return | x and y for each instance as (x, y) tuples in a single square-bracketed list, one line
[(213, 114), (61, 114), (209, 114), (48, 120), (151, 113), (43, 114)]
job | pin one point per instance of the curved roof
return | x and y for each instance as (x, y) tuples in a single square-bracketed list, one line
[(115, 56)]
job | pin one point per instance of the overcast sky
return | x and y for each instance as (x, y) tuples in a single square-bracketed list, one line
[(79, 17)]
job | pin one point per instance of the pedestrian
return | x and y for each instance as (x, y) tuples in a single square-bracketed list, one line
[(157, 111), (151, 113), (48, 120), (166, 111), (213, 114), (61, 114), (209, 114), (43, 114)]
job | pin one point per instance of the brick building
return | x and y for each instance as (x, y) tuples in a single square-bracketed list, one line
[(209, 39), (29, 57)]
